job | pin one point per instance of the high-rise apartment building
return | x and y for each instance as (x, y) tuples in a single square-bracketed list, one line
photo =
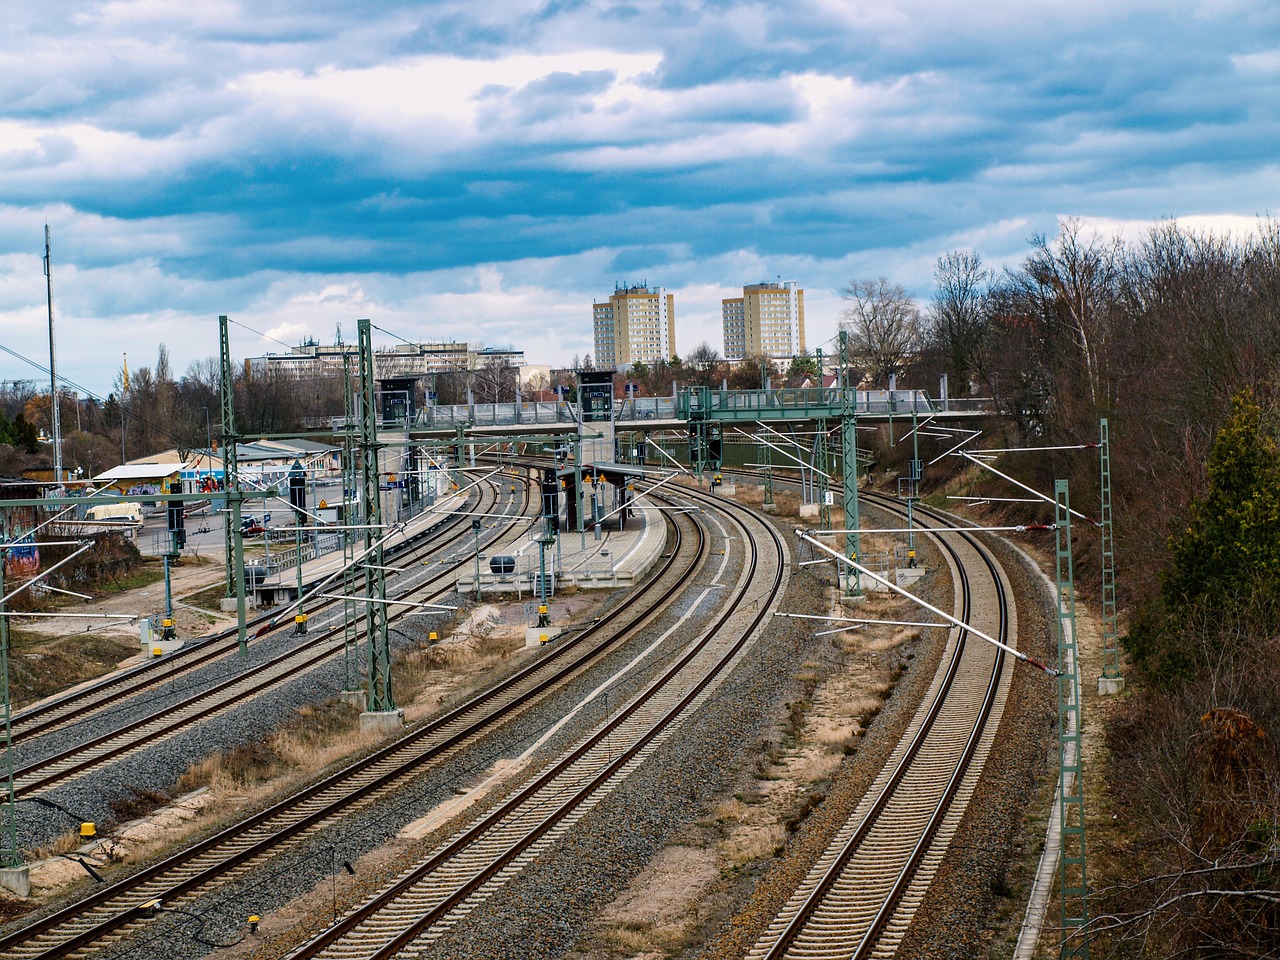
[(634, 324), (768, 320)]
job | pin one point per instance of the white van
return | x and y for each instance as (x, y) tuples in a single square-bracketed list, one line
[(125, 514)]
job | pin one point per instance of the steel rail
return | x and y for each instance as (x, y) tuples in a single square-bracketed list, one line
[(146, 731), (795, 930), (71, 707), (107, 912), (561, 807)]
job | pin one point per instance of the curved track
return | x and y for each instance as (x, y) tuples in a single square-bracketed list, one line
[(861, 894), (308, 653), (114, 911), (71, 707), (471, 865)]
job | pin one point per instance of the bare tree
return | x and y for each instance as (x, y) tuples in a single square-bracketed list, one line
[(1079, 276), (495, 381), (655, 378), (961, 321), (884, 326), (703, 365)]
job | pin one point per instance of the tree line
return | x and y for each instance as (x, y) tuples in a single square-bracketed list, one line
[(1175, 339)]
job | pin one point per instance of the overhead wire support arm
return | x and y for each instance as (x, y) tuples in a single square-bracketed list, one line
[(865, 571), (1017, 483)]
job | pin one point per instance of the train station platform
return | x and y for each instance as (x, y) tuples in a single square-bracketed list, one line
[(268, 586), (591, 560)]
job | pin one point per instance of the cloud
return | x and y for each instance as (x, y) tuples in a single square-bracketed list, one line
[(486, 170)]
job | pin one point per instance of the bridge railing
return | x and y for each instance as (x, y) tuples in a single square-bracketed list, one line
[(646, 408), (496, 414), (701, 401), (807, 401)]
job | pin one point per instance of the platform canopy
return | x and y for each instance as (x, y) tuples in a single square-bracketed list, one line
[(139, 471)]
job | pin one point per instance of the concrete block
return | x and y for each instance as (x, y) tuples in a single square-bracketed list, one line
[(537, 636), (865, 584), (228, 604), (1110, 686), (809, 511), (381, 721), (17, 880), (160, 648), (905, 576), (769, 508), (355, 698)]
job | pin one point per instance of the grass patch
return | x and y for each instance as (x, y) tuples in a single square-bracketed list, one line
[(150, 572), (138, 804), (312, 739), (63, 843), (209, 598), (40, 665)]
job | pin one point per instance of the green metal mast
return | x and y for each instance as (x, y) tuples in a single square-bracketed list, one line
[(233, 537), (849, 449), (9, 853), (1111, 681), (766, 451), (375, 587), (350, 655), (1072, 875), (821, 467)]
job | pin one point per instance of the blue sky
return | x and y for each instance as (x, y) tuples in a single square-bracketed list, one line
[(484, 170)]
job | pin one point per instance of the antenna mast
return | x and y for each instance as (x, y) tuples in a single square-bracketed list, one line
[(53, 366)]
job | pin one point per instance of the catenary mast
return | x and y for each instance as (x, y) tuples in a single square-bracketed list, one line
[(53, 366)]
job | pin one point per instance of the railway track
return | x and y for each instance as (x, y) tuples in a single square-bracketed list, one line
[(471, 865), (219, 860), (148, 730), (863, 891), (74, 706)]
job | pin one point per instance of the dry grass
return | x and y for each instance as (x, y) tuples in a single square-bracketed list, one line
[(787, 503), (730, 810), (64, 843), (139, 803), (751, 842), (315, 737), (41, 665), (630, 937), (815, 767)]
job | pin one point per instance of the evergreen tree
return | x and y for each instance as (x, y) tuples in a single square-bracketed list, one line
[(1224, 582), (19, 433)]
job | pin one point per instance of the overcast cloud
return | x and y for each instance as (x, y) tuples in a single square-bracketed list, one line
[(483, 171)]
